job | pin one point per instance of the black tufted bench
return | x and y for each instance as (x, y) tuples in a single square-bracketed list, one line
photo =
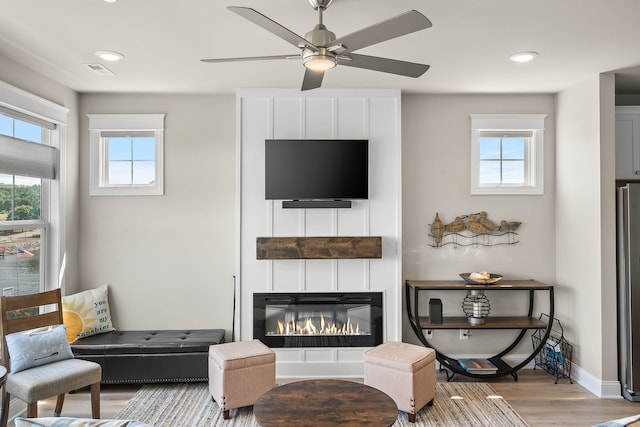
[(150, 356)]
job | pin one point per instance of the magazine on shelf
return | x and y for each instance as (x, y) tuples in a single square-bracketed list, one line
[(478, 366)]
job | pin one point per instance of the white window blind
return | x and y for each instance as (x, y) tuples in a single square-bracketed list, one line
[(27, 118), (25, 158)]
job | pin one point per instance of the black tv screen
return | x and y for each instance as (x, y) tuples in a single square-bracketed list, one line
[(315, 169)]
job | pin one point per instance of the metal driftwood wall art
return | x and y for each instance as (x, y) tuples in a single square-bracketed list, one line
[(473, 230)]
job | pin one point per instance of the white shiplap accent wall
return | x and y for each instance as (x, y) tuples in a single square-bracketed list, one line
[(331, 114)]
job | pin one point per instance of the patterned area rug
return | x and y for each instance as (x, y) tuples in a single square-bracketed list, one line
[(181, 405)]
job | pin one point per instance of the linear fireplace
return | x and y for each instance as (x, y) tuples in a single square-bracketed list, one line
[(337, 319)]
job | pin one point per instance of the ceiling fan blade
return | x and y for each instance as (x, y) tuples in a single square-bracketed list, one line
[(312, 79), (252, 58), (401, 25), (271, 26), (386, 65)]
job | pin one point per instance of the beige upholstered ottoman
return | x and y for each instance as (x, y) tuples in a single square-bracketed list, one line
[(406, 372), (239, 373)]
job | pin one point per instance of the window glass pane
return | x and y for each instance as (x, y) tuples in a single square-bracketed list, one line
[(513, 148), (28, 131), (144, 149), (513, 172), (119, 173), (20, 261), (141, 171), (6, 125), (20, 198), (144, 173), (119, 148), (489, 148), (489, 172)]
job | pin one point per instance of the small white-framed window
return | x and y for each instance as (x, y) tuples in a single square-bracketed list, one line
[(507, 154), (126, 154)]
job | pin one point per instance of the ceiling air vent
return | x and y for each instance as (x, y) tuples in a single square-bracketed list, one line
[(100, 69)]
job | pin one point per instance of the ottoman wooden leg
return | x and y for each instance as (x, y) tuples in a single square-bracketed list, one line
[(225, 414), (412, 418)]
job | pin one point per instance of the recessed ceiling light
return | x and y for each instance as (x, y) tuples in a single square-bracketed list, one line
[(110, 1), (109, 56), (523, 56)]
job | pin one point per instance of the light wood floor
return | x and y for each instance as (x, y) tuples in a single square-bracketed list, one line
[(534, 396)]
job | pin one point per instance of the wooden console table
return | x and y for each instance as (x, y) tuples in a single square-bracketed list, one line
[(524, 323)]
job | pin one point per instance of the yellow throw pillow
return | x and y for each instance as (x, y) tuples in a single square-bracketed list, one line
[(87, 313)]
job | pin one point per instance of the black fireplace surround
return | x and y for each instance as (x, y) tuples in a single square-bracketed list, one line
[(323, 319)]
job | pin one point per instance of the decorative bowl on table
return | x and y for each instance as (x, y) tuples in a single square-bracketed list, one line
[(482, 278)]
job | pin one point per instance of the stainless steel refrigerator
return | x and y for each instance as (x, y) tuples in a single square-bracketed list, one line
[(628, 254)]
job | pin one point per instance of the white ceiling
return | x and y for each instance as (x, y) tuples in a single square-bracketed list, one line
[(468, 46)]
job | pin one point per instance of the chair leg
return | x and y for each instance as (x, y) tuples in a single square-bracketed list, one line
[(95, 401), (412, 418), (225, 415), (59, 403), (6, 398), (32, 410)]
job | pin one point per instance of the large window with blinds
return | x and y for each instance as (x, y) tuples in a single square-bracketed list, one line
[(126, 154), (507, 155), (29, 197)]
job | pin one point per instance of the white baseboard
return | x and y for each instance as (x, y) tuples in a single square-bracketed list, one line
[(602, 389), (320, 370)]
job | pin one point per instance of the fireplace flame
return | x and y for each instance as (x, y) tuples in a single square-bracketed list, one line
[(307, 327)]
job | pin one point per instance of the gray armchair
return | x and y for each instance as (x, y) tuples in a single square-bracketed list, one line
[(39, 372)]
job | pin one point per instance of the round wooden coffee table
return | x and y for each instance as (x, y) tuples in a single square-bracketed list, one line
[(325, 403)]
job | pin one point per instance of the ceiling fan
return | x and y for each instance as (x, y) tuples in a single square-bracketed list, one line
[(320, 50)]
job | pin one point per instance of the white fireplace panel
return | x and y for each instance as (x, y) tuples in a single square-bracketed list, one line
[(322, 113), (286, 355), (354, 221), (285, 222), (324, 355), (351, 354), (320, 117), (287, 118), (319, 275), (287, 275), (319, 222), (352, 274), (353, 116)]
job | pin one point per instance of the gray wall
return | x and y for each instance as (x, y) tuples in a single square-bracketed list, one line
[(168, 260), (435, 178), (585, 224)]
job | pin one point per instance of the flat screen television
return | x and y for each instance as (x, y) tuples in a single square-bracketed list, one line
[(316, 169)]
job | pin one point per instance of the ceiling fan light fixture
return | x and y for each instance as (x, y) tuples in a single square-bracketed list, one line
[(319, 62), (523, 56)]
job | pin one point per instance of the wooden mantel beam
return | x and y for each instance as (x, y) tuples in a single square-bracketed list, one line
[(342, 247)]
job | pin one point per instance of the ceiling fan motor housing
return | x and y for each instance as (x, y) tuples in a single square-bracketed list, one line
[(320, 4), (320, 36)]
